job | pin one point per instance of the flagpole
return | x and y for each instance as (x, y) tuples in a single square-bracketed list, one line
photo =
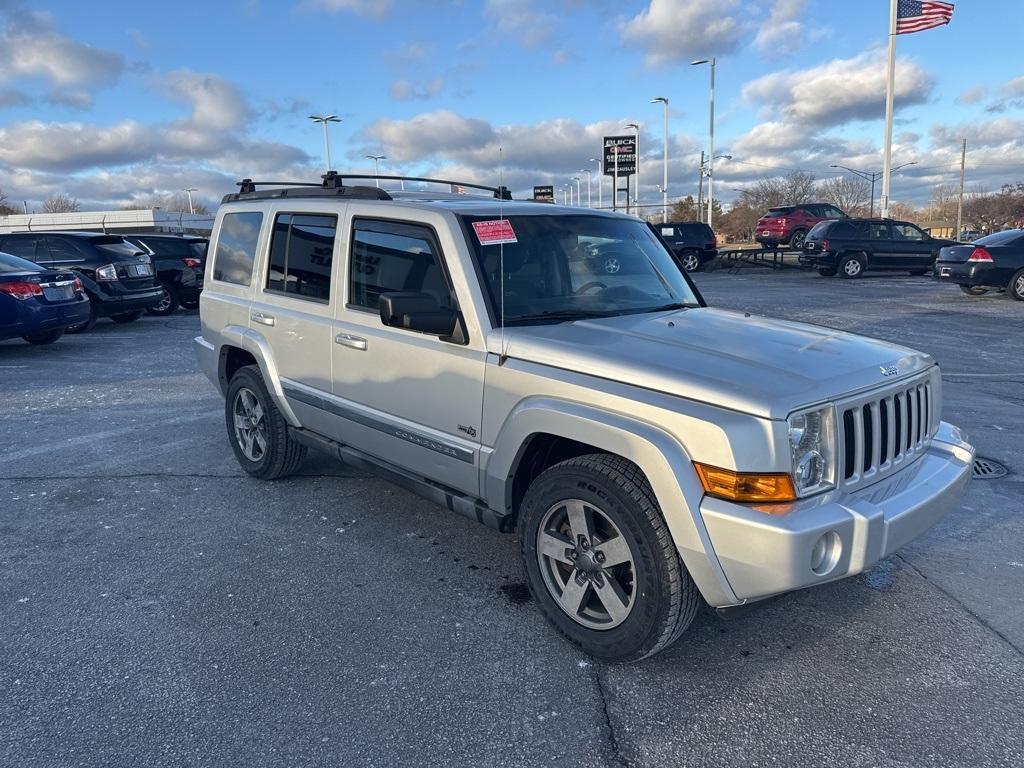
[(890, 87)]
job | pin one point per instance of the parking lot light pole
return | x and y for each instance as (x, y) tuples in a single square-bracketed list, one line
[(636, 173), (872, 176), (711, 134), (376, 165), (664, 162), (579, 196), (188, 191), (324, 120), (590, 176), (600, 182)]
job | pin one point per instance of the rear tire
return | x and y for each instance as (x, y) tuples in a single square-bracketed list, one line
[(852, 266), (827, 271), (257, 431), (796, 240), (1016, 286), (624, 610), (168, 302), (974, 290), (43, 337), (87, 325), (126, 317)]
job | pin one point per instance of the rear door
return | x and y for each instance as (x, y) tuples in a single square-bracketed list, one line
[(237, 238), (880, 243)]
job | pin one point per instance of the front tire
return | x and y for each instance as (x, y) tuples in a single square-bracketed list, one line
[(600, 560), (168, 302), (690, 261), (126, 317), (43, 337), (852, 266), (257, 431)]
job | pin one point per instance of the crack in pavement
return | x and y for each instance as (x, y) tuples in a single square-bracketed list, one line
[(612, 739), (963, 605), (176, 476)]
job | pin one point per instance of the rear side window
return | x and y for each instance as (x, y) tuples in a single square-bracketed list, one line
[(390, 256), (26, 247), (695, 231), (301, 252), (777, 213), (62, 250), (236, 247)]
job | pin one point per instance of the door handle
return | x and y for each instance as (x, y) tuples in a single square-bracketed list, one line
[(347, 340), (262, 319)]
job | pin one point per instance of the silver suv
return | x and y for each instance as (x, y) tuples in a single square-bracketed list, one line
[(552, 371)]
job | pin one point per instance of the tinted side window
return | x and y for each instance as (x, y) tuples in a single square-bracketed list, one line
[(388, 256), (236, 247), (62, 250), (301, 252), (26, 247), (907, 232), (832, 212), (878, 231)]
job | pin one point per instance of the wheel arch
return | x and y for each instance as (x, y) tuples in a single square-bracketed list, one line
[(247, 347), (541, 432)]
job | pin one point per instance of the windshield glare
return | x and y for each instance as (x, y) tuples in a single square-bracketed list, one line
[(563, 267)]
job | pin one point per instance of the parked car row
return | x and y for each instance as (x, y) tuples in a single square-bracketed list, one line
[(113, 276), (994, 262)]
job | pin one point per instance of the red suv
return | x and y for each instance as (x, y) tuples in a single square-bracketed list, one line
[(791, 223)]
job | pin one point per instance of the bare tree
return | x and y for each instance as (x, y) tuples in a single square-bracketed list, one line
[(903, 211), (792, 189), (848, 194), (5, 209), (799, 187), (177, 203), (684, 209), (739, 222), (60, 203)]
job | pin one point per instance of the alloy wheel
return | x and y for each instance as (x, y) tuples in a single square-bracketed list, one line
[(587, 564), (1018, 286), (852, 268), (691, 262), (165, 300), (250, 424)]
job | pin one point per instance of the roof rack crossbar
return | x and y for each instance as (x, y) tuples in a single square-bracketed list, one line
[(501, 193)]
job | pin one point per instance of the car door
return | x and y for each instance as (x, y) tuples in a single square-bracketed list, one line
[(293, 301), (911, 247), (410, 399), (880, 244)]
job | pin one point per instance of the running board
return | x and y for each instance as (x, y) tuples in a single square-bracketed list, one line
[(453, 500)]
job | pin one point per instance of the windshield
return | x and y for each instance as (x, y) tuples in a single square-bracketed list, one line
[(12, 264), (559, 268), (777, 213), (120, 248), (1006, 237)]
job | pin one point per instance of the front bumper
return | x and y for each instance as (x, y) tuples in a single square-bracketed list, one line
[(764, 554)]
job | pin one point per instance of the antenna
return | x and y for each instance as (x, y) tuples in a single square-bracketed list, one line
[(501, 257)]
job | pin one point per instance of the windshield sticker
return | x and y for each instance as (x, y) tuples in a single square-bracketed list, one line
[(666, 231), (494, 232)]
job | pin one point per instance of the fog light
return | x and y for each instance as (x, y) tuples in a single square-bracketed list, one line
[(825, 553)]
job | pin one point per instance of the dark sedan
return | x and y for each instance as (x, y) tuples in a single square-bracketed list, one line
[(37, 304), (994, 262)]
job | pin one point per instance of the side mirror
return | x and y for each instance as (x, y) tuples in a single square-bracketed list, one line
[(416, 312)]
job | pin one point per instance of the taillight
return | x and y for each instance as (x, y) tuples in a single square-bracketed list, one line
[(980, 254), (782, 222), (106, 273), (824, 245), (78, 285), (21, 291), (192, 263)]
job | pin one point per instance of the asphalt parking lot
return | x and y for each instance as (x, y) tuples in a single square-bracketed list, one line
[(158, 607)]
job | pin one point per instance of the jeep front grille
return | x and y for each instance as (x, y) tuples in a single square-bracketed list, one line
[(883, 431)]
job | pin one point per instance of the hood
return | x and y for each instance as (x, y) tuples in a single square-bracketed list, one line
[(734, 360)]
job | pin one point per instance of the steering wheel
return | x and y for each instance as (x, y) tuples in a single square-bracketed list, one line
[(592, 284)]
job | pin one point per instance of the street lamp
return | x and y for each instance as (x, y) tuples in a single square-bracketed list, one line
[(324, 120), (664, 163), (579, 197), (600, 183), (376, 165), (872, 176), (590, 175), (636, 195), (711, 133), (188, 191)]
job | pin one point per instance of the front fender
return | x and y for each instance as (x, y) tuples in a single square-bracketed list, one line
[(660, 456), (252, 341)]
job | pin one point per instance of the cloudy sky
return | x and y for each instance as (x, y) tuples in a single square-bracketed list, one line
[(113, 101)]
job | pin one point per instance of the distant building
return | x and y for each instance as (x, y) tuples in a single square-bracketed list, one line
[(113, 222)]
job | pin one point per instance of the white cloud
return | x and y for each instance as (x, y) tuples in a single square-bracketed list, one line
[(972, 95), (839, 90), (671, 31), (782, 31), (404, 90), (521, 19), (374, 8)]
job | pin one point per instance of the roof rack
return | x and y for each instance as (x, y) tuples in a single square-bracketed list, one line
[(333, 186)]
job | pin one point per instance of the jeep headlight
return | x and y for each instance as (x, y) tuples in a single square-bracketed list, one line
[(812, 449)]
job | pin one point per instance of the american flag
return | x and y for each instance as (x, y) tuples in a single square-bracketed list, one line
[(918, 15)]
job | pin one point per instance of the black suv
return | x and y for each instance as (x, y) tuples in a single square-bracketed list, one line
[(116, 275), (851, 246), (178, 262), (692, 242)]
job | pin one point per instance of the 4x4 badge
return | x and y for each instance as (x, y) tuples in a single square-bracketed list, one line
[(471, 431), (888, 370)]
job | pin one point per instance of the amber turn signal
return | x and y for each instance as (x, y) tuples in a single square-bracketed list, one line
[(745, 486)]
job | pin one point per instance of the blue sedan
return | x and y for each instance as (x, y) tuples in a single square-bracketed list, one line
[(37, 304)]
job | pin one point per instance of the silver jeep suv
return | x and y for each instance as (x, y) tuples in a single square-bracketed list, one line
[(554, 372)]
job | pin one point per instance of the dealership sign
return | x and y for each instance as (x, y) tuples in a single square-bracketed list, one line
[(544, 194), (625, 148)]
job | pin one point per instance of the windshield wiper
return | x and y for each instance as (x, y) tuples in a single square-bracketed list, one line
[(562, 315), (669, 307)]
